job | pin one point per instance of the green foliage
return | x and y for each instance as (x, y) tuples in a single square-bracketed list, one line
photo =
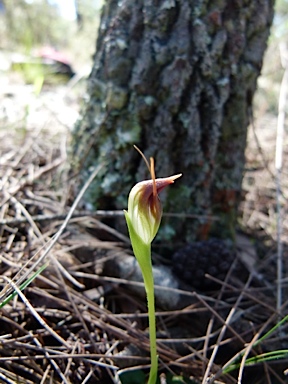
[(263, 357), (31, 71), (82, 40), (22, 286), (133, 377), (26, 25), (266, 98), (138, 377), (267, 356), (171, 379), (281, 20), (30, 24)]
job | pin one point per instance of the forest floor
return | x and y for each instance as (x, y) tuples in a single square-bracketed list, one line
[(80, 323)]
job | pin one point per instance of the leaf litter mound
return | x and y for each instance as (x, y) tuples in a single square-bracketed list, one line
[(83, 319)]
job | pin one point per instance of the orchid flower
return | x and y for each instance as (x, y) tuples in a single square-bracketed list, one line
[(143, 220), (144, 207)]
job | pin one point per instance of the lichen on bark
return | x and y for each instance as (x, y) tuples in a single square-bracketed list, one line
[(177, 79)]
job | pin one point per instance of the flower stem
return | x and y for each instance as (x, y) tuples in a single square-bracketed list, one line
[(142, 252), (149, 287)]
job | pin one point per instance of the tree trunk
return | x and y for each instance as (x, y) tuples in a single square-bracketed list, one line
[(177, 79)]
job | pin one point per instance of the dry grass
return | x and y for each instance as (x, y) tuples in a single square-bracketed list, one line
[(78, 324)]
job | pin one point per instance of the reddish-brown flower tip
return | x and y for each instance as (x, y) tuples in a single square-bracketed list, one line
[(144, 206)]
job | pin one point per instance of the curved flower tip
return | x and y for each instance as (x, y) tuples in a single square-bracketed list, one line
[(144, 207)]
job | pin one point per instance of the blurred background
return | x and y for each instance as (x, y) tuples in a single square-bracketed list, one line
[(47, 42), (69, 26), (46, 51)]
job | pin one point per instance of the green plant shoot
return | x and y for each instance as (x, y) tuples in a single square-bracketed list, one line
[(143, 220)]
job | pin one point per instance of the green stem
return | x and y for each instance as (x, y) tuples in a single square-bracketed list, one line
[(142, 252), (149, 287)]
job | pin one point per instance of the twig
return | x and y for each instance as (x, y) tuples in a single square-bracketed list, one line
[(52, 362), (259, 340), (29, 180), (212, 319), (54, 240), (99, 213), (221, 335), (36, 315), (72, 302), (245, 356)]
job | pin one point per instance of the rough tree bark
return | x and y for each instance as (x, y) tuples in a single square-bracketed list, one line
[(177, 79)]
